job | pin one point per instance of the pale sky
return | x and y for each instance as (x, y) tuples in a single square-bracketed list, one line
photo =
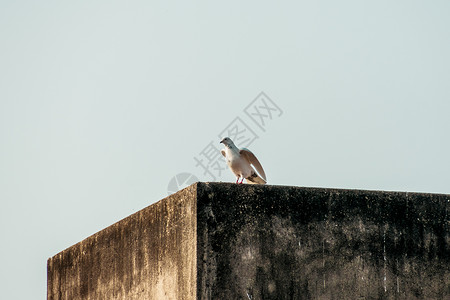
[(102, 103)]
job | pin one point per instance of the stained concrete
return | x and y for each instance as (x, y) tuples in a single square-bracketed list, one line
[(273, 242), (148, 255), (228, 241)]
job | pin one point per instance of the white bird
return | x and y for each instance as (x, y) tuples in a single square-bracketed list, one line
[(240, 161)]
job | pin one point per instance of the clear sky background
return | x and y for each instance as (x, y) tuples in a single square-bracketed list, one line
[(102, 103)]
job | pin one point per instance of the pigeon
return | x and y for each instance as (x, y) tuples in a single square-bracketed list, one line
[(240, 161)]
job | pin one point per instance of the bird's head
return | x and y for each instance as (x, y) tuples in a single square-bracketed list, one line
[(227, 141)]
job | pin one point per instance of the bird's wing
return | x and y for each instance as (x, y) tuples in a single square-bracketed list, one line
[(223, 153), (251, 158)]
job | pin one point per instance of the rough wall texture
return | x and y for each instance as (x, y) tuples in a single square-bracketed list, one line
[(274, 242), (148, 255), (228, 241)]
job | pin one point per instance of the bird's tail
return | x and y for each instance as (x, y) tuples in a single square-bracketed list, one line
[(255, 179)]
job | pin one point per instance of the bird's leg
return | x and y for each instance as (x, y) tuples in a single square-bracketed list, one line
[(242, 180), (237, 180)]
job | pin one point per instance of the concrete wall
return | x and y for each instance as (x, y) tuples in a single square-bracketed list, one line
[(149, 255), (228, 241), (274, 242)]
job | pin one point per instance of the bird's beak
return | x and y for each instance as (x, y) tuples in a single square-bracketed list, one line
[(221, 142)]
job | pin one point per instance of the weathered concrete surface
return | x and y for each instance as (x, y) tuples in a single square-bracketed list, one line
[(274, 242), (228, 241), (149, 255)]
